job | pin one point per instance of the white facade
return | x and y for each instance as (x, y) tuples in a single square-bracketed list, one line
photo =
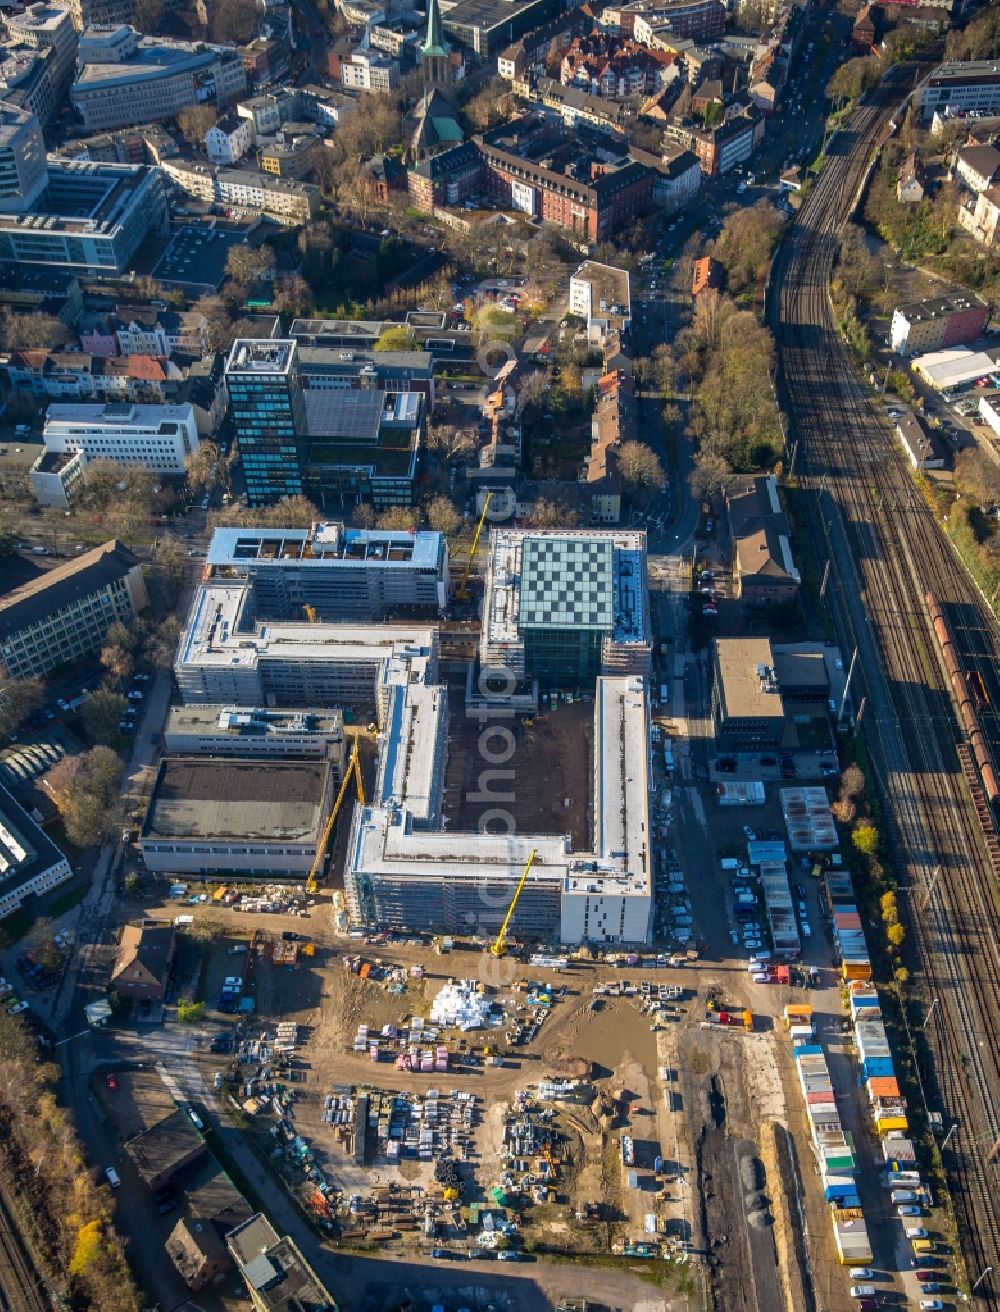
[(367, 72), (989, 412), (23, 171), (229, 140), (960, 87), (600, 293), (31, 862), (159, 437)]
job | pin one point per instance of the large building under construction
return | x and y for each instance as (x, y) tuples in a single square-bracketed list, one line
[(404, 869)]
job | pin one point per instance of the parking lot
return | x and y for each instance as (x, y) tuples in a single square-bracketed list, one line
[(196, 256)]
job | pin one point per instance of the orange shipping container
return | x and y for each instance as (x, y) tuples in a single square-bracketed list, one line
[(883, 1086)]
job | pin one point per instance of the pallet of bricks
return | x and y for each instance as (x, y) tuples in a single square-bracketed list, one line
[(832, 1149), (285, 1041)]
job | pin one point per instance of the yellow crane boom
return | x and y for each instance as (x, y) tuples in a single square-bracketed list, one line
[(499, 946), (353, 768), (472, 549)]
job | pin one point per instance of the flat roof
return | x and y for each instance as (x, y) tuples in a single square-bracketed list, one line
[(198, 797), (936, 306), (607, 282), (566, 578), (326, 545), (232, 722), (152, 59), (484, 13), (745, 666), (261, 355), (386, 839), (219, 634)]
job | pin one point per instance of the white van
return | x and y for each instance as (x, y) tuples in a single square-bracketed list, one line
[(863, 1291), (729, 863), (759, 958), (183, 920)]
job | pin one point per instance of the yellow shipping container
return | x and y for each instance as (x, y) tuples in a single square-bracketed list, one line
[(883, 1124)]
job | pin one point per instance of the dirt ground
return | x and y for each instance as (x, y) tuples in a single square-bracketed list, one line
[(552, 764)]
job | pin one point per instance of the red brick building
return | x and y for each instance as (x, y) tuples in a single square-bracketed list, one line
[(539, 172)]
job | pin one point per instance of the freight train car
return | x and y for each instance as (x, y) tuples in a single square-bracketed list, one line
[(964, 697)]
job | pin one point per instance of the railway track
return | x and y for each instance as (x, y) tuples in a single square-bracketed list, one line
[(21, 1288), (886, 552)]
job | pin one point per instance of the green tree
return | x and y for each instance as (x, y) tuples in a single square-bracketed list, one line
[(189, 1012), (101, 714), (19, 698), (865, 838), (398, 337)]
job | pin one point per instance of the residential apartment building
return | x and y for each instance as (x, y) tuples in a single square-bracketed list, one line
[(63, 615), (335, 572), (677, 176), (939, 322), (91, 217), (286, 200), (764, 570), (982, 220), (292, 153), (265, 397), (158, 437), (719, 149), (977, 166), (30, 861), (228, 140), (575, 105), (36, 59), (369, 71), (960, 87), (124, 79), (701, 20), (599, 294)]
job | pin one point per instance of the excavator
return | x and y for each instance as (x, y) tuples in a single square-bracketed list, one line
[(463, 587), (353, 768), (499, 946)]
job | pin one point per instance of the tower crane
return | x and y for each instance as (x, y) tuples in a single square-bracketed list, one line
[(472, 550), (499, 946), (353, 768)]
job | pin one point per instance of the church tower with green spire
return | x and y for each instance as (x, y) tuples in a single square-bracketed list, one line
[(435, 53)]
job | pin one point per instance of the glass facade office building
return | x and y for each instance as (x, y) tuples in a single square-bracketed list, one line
[(266, 403)]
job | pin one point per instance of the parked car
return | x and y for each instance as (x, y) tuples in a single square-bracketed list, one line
[(112, 1081), (916, 1232), (909, 1209), (861, 1273), (749, 834), (16, 1008), (114, 1180), (806, 929)]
